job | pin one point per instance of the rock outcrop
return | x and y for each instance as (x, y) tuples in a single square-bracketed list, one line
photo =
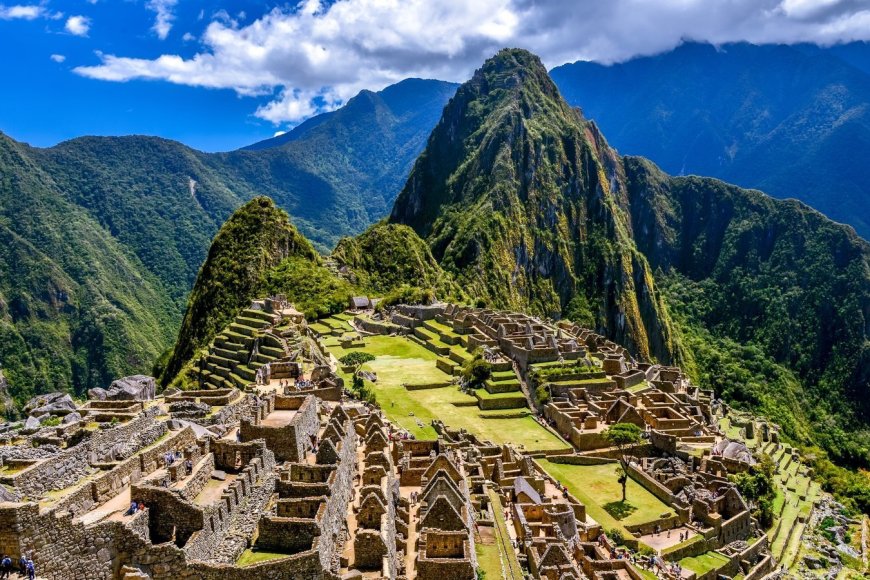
[(132, 388)]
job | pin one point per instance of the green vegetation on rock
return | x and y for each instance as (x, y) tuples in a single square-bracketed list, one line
[(522, 201), (255, 240)]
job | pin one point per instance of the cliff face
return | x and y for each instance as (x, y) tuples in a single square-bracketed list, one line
[(522, 200)]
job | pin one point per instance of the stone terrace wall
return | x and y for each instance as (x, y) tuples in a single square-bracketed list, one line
[(69, 466)]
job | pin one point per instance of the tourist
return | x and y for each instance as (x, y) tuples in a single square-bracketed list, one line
[(5, 566), (188, 466), (141, 505), (31, 569), (133, 507), (22, 565)]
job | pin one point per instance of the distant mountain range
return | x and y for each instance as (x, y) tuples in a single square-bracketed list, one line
[(104, 236), (793, 121)]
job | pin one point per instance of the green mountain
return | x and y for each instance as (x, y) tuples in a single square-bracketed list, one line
[(522, 200), (104, 236), (516, 186), (792, 121), (77, 308), (256, 238), (387, 256)]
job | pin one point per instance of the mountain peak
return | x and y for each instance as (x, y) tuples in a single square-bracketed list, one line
[(521, 199)]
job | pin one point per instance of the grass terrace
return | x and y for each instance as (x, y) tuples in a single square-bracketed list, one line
[(400, 361), (597, 487), (253, 556), (704, 563)]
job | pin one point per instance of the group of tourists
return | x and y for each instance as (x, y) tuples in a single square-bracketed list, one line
[(135, 506), (26, 568), (298, 384), (170, 457)]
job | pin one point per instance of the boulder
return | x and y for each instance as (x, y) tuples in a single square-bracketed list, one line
[(98, 394), (73, 417), (60, 406), (32, 425), (61, 401), (132, 388)]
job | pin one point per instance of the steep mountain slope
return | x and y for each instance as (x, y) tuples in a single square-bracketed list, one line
[(522, 200), (256, 238), (790, 121), (77, 309), (158, 198), (768, 274)]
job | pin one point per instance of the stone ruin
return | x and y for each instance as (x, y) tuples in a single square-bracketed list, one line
[(327, 488)]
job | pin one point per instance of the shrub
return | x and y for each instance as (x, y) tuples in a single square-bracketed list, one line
[(356, 358), (51, 422), (616, 536), (476, 371)]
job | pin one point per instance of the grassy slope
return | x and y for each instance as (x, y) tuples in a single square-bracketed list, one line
[(399, 361)]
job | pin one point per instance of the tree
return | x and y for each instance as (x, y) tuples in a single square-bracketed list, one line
[(622, 436), (756, 485), (356, 358), (476, 371)]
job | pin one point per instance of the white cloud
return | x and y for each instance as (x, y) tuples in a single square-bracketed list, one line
[(78, 25), (316, 55), (188, 37), (279, 133), (58, 58), (164, 18), (21, 12)]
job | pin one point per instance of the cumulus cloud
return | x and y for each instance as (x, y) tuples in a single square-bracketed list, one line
[(316, 55), (21, 12), (78, 25), (164, 16), (58, 58)]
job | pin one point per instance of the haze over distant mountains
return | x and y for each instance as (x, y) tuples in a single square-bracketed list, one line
[(793, 121)]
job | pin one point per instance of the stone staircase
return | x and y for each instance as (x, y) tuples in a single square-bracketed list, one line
[(235, 355)]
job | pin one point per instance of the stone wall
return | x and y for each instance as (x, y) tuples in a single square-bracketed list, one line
[(288, 442)]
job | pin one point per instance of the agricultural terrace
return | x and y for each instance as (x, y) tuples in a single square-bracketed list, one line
[(400, 361)]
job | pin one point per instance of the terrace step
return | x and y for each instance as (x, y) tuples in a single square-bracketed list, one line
[(272, 351), (262, 315), (243, 330), (236, 355)]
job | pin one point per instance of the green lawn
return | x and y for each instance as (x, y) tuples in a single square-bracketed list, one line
[(704, 563), (596, 486), (401, 361), (488, 559), (250, 557)]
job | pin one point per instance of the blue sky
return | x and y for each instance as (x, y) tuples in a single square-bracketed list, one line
[(220, 74), (43, 102)]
